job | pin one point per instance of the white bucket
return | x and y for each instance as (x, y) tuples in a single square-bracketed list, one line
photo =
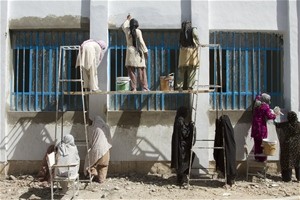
[(123, 83)]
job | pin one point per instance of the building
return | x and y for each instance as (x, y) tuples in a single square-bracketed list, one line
[(260, 47)]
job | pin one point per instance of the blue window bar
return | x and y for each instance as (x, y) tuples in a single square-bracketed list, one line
[(252, 63), (35, 69), (163, 51)]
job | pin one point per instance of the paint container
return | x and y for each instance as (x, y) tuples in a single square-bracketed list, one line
[(123, 83), (167, 82)]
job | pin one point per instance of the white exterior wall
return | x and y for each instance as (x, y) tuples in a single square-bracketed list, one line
[(248, 15), (242, 15), (44, 8), (3, 79)]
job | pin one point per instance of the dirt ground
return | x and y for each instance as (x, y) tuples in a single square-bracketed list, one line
[(134, 186)]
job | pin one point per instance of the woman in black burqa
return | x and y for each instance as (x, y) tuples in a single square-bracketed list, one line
[(225, 158), (289, 138), (182, 140)]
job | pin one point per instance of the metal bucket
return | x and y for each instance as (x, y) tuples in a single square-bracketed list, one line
[(167, 83), (269, 147)]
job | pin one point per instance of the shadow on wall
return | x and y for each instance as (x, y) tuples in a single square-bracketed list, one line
[(30, 135), (242, 131), (241, 122), (133, 148), (28, 139)]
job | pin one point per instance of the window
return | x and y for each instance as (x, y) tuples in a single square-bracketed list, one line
[(35, 69), (252, 63), (163, 51)]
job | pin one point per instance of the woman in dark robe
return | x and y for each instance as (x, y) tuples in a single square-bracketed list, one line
[(181, 144), (289, 139)]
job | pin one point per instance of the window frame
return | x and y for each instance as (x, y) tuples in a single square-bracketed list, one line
[(249, 67), (40, 57)]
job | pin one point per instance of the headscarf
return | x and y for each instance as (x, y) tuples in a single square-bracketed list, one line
[(262, 98), (68, 154), (99, 142), (186, 34), (186, 28), (293, 122), (265, 98), (133, 25), (292, 117), (102, 44), (182, 112), (98, 122), (65, 144)]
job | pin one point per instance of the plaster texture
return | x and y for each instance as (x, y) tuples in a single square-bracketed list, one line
[(25, 136)]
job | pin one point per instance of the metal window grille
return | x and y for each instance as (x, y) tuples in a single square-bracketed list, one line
[(163, 51), (35, 69), (252, 63)]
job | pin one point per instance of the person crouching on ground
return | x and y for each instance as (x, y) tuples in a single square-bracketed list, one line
[(100, 144), (67, 153)]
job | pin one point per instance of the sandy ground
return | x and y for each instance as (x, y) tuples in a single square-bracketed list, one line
[(134, 186)]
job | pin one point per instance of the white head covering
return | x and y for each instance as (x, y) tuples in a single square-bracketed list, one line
[(102, 44), (265, 98), (67, 154), (262, 98), (99, 141), (65, 144)]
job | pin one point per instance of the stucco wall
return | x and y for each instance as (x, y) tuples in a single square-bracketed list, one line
[(249, 15), (4, 36), (28, 134)]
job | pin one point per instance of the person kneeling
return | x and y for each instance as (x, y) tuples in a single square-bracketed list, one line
[(100, 144)]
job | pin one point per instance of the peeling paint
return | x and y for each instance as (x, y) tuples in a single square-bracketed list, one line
[(50, 22)]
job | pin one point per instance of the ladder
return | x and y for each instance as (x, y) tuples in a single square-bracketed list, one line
[(207, 174), (60, 90)]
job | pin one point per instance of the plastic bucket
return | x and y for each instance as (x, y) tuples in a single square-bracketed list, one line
[(167, 83), (123, 83), (269, 147)]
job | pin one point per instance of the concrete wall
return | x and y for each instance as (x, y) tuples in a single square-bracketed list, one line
[(249, 15), (140, 137), (4, 80)]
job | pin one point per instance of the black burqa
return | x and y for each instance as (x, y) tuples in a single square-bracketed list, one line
[(224, 130), (181, 144)]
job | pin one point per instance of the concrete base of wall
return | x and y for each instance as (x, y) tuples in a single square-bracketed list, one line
[(3, 168), (118, 167)]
